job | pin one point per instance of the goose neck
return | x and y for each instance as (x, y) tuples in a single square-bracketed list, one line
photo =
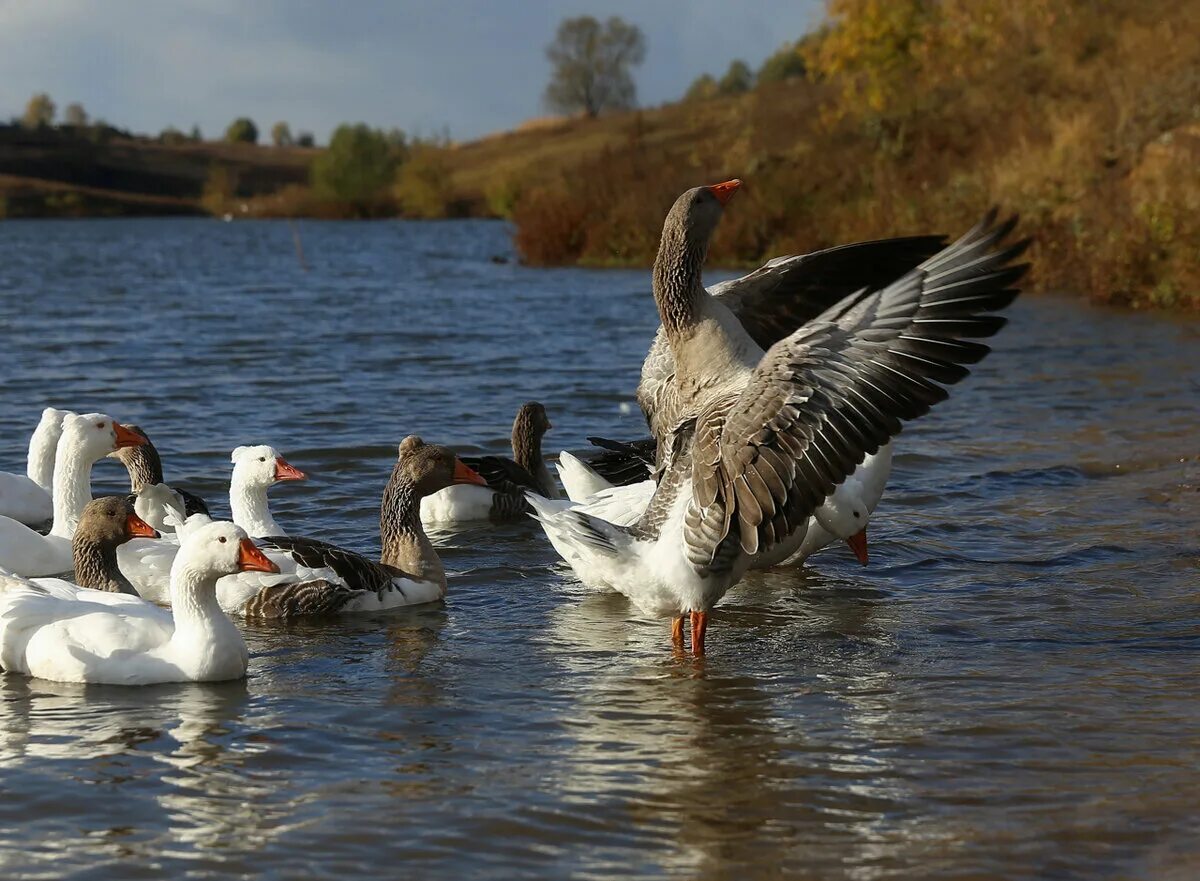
[(96, 566), (527, 452), (251, 510), (404, 543), (72, 485), (40, 465), (144, 466), (194, 603), (678, 289)]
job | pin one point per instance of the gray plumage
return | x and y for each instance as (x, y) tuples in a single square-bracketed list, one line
[(776, 299), (836, 390)]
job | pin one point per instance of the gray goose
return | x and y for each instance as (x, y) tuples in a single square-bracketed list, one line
[(770, 302), (507, 479), (765, 436)]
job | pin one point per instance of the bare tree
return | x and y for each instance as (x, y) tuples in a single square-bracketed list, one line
[(281, 135), (39, 111), (592, 65)]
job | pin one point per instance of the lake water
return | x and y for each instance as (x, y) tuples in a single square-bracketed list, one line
[(1010, 689)]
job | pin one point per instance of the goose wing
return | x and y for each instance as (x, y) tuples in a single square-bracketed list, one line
[(355, 570), (837, 389), (624, 463), (782, 295)]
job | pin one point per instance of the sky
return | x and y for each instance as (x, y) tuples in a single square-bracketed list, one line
[(471, 66)]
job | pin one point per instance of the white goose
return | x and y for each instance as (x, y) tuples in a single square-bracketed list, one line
[(147, 562), (317, 578), (66, 633), (26, 497), (502, 497), (84, 440), (762, 438)]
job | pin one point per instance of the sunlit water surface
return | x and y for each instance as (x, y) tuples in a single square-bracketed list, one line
[(1010, 689)]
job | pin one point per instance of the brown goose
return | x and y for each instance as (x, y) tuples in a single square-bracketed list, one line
[(145, 470), (507, 480), (765, 436), (106, 523)]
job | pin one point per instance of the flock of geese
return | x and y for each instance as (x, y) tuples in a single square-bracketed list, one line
[(771, 399)]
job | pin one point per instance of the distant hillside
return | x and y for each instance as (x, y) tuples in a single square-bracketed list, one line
[(915, 117), (912, 117), (67, 172)]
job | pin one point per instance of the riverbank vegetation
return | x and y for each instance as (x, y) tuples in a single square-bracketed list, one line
[(896, 116), (911, 117)]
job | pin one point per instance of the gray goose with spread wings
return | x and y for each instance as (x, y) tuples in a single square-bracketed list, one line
[(507, 479), (773, 432), (770, 303)]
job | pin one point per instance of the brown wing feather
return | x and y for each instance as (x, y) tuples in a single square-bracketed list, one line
[(780, 296), (838, 389)]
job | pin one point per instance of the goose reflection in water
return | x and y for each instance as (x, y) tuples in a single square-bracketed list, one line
[(726, 762)]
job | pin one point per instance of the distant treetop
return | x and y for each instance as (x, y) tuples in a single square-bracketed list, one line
[(39, 111), (75, 115), (784, 64), (242, 130), (592, 65)]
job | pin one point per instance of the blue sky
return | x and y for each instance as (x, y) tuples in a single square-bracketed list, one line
[(472, 65)]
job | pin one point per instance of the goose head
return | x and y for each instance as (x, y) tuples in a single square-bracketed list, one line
[(529, 427), (96, 435), (429, 467), (110, 521), (695, 214), (142, 456), (844, 514), (220, 548), (532, 420), (262, 466)]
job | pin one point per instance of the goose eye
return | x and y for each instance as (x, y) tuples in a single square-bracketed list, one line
[(99, 424), (221, 539), (262, 458), (855, 515)]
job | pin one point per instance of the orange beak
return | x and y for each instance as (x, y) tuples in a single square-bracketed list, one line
[(127, 438), (858, 544), (137, 526), (464, 473), (724, 192), (250, 558), (284, 471)]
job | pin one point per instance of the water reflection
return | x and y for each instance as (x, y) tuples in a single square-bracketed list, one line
[(728, 765)]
